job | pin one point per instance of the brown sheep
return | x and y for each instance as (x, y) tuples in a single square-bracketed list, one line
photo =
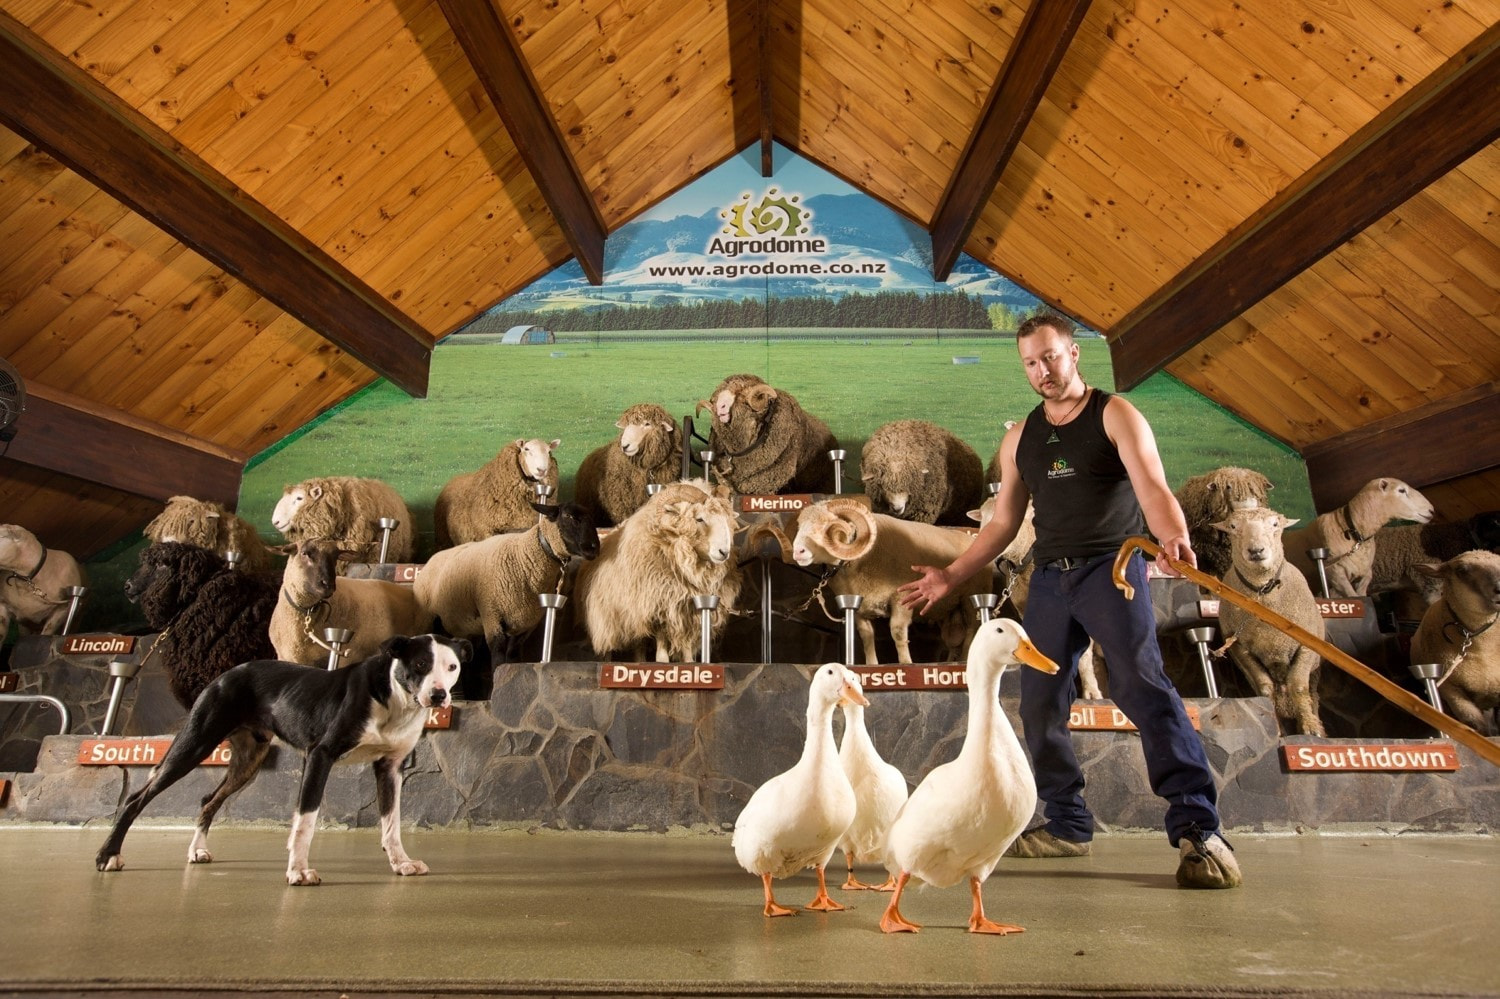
[(918, 471), (1459, 633), (210, 525), (612, 480), (497, 498), (34, 581), (765, 442), (1210, 498), (1348, 533), (345, 510)]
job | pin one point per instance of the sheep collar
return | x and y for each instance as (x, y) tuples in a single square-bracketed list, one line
[(29, 577), (561, 560), (309, 609), (1262, 590), (1351, 532), (1469, 634)]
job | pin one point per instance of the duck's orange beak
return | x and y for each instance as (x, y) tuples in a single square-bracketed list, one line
[(854, 695), (1031, 656)]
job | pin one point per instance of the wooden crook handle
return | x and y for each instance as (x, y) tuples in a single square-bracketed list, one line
[(1404, 699)]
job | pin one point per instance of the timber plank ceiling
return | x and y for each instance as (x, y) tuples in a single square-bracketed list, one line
[(218, 219)]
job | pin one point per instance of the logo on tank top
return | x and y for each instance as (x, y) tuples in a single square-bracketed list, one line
[(1061, 470)]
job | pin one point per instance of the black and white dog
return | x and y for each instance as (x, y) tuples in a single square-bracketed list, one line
[(374, 710)]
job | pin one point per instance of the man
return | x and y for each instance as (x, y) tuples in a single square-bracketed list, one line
[(1087, 460)]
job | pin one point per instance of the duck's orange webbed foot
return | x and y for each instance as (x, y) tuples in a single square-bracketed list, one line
[(821, 902), (977, 921), (772, 909), (892, 921)]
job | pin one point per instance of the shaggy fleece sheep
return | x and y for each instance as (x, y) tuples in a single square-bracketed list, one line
[(917, 470), (1347, 533), (345, 510), (1458, 632), (765, 442), (497, 497), (1210, 498), (34, 581), (612, 480), (210, 525)]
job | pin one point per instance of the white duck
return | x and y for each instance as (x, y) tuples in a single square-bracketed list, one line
[(964, 814), (879, 793), (795, 819)]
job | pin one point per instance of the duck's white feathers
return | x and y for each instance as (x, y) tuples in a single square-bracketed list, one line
[(879, 788)]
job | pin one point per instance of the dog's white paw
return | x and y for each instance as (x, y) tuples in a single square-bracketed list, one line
[(409, 868), (305, 877), (112, 863), (200, 856)]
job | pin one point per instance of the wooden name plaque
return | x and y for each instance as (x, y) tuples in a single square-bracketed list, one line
[(137, 753), (1347, 757), (439, 718), (931, 676), (661, 676), (1105, 717), (98, 645), (1336, 607), (9, 682)]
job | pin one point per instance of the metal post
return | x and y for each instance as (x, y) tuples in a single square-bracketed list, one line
[(1428, 673), (652, 488), (838, 455), (75, 596), (336, 637), (985, 604), (849, 603), (122, 672), (1320, 558), (551, 603), (1201, 637), (707, 457), (994, 488), (706, 602), (234, 558), (387, 525), (765, 609)]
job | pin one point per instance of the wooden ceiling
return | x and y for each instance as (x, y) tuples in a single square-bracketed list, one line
[(218, 219)]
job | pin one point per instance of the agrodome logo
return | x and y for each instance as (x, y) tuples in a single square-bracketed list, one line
[(777, 223)]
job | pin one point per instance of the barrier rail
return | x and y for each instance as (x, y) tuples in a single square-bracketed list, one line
[(1403, 699), (62, 709)]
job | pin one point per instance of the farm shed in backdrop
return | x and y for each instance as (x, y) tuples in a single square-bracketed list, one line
[(221, 220), (528, 334)]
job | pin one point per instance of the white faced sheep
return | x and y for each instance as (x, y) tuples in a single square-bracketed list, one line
[(210, 525), (489, 588), (916, 470), (678, 545), (34, 581), (1399, 548), (497, 497), (314, 596), (1277, 666), (872, 554), (345, 510), (765, 442), (612, 480), (1210, 498), (1459, 633), (1348, 534)]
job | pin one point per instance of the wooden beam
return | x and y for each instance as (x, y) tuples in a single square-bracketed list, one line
[(1041, 42), (66, 112), (506, 77), (1443, 440), (763, 59), (1437, 125), (64, 433)]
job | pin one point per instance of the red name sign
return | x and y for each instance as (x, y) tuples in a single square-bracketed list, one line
[(1335, 607), (661, 676), (933, 676), (405, 572), (137, 753), (1108, 718), (439, 717), (9, 682), (774, 504), (98, 645), (1345, 757)]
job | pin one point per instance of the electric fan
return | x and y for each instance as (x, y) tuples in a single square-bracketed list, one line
[(12, 399)]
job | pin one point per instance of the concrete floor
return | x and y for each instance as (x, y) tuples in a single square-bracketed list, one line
[(512, 913)]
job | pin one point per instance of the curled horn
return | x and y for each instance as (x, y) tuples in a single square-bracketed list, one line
[(851, 534)]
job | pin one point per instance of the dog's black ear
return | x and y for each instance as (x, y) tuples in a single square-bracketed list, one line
[(396, 647), (462, 648)]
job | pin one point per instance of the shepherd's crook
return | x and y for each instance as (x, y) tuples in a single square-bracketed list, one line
[(1410, 702)]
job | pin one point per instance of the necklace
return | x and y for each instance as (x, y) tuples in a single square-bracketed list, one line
[(1069, 415)]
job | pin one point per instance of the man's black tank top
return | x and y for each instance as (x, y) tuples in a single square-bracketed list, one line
[(1083, 499)]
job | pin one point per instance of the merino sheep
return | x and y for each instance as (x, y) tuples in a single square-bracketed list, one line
[(209, 617), (1347, 533), (1210, 498), (872, 554), (1277, 666), (678, 545), (34, 581), (919, 471), (210, 525), (612, 480), (1459, 632), (765, 442), (345, 510), (489, 588), (314, 597), (497, 497), (1400, 547)]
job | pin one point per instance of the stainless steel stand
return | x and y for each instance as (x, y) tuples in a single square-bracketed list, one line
[(1200, 637), (123, 673), (551, 604), (849, 603), (336, 639), (706, 604)]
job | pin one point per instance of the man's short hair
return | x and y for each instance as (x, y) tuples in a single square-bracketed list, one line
[(1057, 321)]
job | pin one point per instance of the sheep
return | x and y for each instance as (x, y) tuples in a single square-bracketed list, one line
[(919, 471), (1277, 666), (1459, 633), (1398, 549), (34, 581), (611, 481), (345, 510), (679, 544), (314, 597), (497, 497), (1347, 531), (210, 525), (871, 554), (1210, 498), (209, 618), (489, 588), (765, 442)]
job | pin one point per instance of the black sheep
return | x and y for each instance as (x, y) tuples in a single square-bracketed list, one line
[(210, 617)]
